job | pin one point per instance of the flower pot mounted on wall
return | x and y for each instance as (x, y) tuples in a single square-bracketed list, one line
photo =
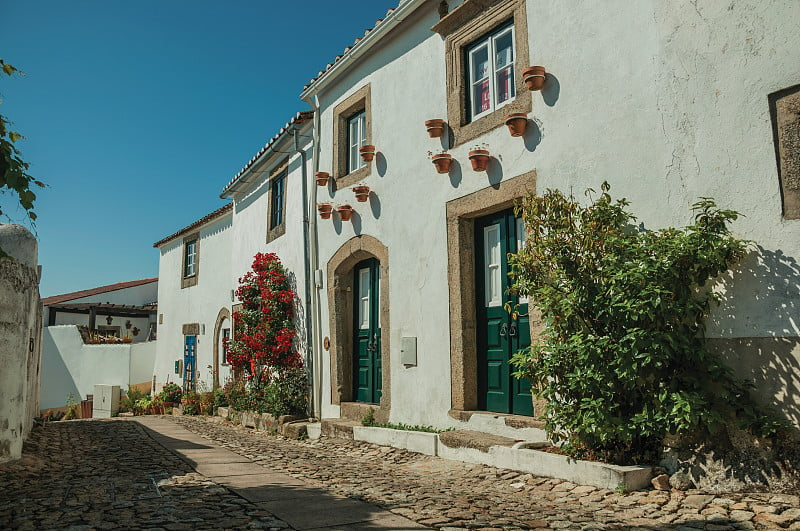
[(479, 159), (534, 77), (367, 152), (434, 127), (516, 123), (345, 211), (325, 210), (362, 193), (442, 161), (322, 178)]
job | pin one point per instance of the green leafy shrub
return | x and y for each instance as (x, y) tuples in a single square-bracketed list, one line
[(220, 397), (126, 403), (191, 403), (142, 406), (623, 360), (171, 392)]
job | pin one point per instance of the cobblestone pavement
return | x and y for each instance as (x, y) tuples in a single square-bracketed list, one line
[(111, 475), (454, 495)]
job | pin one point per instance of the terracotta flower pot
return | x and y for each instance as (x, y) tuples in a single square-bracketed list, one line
[(362, 193), (345, 211), (534, 77), (442, 162), (325, 210), (367, 152), (322, 178), (517, 123), (434, 127), (479, 159)]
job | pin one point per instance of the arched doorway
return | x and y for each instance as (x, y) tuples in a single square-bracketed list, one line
[(222, 325), (358, 304)]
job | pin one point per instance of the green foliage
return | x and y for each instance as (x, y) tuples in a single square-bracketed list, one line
[(369, 418), (171, 392), (142, 405), (14, 177), (623, 359), (127, 402), (191, 403), (220, 398), (282, 393)]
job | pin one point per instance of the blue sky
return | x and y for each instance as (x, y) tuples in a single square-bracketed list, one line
[(137, 113)]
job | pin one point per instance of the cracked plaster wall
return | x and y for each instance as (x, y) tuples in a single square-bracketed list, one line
[(20, 333)]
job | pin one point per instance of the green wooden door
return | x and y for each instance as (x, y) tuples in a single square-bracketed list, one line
[(367, 334), (499, 334)]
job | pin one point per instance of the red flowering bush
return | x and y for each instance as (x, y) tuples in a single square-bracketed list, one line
[(262, 345)]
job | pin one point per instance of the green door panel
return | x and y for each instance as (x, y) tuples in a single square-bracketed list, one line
[(366, 334), (499, 333)]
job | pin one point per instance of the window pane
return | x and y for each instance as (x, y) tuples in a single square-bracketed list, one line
[(505, 84), (481, 101), (362, 125), (520, 229), (480, 63), (504, 51), (363, 297), (277, 200), (491, 243), (356, 137)]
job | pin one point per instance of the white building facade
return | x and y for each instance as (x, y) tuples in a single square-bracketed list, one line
[(400, 301)]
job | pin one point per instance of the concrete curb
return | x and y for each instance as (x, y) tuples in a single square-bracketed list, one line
[(413, 441)]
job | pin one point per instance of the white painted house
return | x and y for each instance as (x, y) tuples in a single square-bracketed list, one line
[(667, 101), (200, 264), (73, 362)]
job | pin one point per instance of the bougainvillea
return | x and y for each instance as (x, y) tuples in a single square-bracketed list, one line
[(264, 329)]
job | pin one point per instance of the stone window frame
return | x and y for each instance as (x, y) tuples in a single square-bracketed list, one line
[(461, 214), (784, 107), (360, 100), (188, 281), (275, 232), (466, 24)]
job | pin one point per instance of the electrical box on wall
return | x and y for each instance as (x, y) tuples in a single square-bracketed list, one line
[(408, 351), (178, 366)]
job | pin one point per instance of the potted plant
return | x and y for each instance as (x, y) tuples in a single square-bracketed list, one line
[(367, 152), (534, 77), (434, 127), (345, 211), (325, 210), (442, 160), (322, 178), (170, 394), (517, 122), (127, 339), (479, 157), (362, 192)]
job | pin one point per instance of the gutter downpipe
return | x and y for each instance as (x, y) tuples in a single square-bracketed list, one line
[(313, 247), (310, 349)]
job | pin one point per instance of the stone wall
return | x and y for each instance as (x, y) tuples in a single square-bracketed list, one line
[(20, 333)]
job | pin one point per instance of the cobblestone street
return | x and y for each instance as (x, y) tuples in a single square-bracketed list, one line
[(113, 474)]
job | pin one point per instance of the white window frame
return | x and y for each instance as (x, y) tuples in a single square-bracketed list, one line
[(356, 129), (489, 43), (492, 262), (189, 268)]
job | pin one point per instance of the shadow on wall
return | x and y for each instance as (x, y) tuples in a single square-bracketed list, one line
[(57, 380), (756, 328)]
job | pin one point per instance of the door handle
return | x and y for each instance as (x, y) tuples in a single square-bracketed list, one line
[(513, 330), (504, 330)]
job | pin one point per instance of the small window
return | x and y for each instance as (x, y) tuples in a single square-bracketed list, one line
[(190, 259), (278, 187), (226, 337), (356, 137), (490, 76)]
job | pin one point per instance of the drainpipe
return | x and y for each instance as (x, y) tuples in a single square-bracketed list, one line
[(308, 271), (316, 329)]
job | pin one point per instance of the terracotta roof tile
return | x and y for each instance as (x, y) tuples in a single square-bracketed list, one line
[(56, 299), (298, 118), (198, 223)]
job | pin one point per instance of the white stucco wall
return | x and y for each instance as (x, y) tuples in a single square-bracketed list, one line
[(20, 349), (71, 367), (665, 100), (196, 304), (251, 209)]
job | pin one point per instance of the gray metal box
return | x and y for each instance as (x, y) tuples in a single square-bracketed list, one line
[(408, 351), (106, 401)]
